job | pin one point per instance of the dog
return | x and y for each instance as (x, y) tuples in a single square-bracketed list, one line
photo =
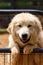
[(25, 32)]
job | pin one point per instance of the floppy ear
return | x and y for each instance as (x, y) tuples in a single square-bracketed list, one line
[(38, 25), (9, 29)]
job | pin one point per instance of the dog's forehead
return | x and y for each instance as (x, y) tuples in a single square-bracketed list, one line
[(24, 17), (24, 23)]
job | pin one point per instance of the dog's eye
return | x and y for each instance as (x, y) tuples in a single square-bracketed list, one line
[(29, 25), (19, 25)]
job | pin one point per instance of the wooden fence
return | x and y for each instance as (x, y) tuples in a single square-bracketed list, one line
[(31, 59), (35, 58)]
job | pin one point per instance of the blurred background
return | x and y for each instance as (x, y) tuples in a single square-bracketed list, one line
[(21, 4)]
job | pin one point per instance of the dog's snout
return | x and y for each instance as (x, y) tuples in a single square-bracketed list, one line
[(24, 36)]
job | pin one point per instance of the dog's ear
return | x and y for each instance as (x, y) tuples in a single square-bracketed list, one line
[(38, 25), (9, 29)]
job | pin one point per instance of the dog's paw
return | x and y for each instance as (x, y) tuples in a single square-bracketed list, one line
[(27, 49), (15, 50)]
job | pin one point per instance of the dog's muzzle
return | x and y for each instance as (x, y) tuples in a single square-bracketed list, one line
[(25, 38)]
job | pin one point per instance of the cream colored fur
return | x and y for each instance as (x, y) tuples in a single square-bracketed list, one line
[(16, 31)]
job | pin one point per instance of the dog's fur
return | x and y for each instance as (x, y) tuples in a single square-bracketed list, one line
[(24, 23)]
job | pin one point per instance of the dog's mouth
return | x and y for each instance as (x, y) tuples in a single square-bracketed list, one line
[(25, 40)]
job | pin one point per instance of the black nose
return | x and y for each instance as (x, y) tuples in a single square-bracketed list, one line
[(24, 36)]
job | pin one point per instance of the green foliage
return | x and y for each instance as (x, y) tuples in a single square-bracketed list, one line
[(24, 3), (5, 4)]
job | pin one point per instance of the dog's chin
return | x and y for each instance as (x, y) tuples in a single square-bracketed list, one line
[(25, 40)]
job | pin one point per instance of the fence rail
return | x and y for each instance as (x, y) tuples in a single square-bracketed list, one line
[(5, 50), (21, 10), (8, 50)]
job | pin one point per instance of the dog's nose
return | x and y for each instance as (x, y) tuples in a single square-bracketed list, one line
[(24, 36)]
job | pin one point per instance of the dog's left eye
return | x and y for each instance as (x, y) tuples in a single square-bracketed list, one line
[(29, 25), (19, 25)]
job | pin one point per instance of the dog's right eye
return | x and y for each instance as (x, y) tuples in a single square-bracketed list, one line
[(19, 25)]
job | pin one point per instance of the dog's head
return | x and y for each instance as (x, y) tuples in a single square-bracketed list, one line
[(25, 28)]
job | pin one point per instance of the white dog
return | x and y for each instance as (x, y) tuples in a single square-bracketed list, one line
[(25, 32)]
